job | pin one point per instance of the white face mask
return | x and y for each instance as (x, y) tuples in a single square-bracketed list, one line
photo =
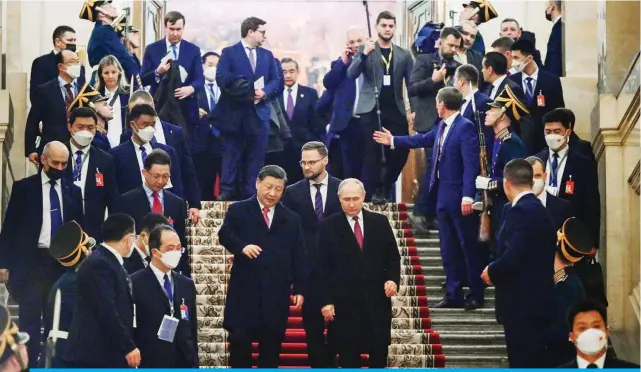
[(539, 185), (83, 137), (210, 73), (591, 341), (555, 141), (519, 66), (146, 134), (74, 71), (171, 259)]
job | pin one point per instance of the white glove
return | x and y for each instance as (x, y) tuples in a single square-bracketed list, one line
[(482, 182), (478, 206)]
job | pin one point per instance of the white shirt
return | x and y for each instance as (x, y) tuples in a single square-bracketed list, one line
[(520, 195), (150, 196), (294, 89), (468, 100), (114, 128), (270, 212), (74, 88), (45, 230), (216, 93), (143, 256), (496, 84), (171, 51), (534, 76), (556, 19), (141, 165), (323, 190), (582, 363), (512, 71), (352, 223), (85, 165), (543, 197), (160, 133), (160, 276), (448, 124), (563, 159), (114, 252)]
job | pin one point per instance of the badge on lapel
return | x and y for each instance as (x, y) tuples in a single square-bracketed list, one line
[(569, 186), (171, 221), (100, 180)]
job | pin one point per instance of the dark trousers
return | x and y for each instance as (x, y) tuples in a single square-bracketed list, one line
[(321, 353), (352, 143), (244, 157), (421, 205), (269, 345), (207, 168), (335, 166), (379, 179), (525, 342), (351, 358), (459, 251)]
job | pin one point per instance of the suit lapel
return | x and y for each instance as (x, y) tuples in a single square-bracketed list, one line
[(330, 203), (301, 102), (157, 289), (92, 169), (241, 49), (66, 197), (37, 186), (346, 230), (304, 190), (450, 132)]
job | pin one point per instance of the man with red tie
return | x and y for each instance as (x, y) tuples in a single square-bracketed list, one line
[(361, 270)]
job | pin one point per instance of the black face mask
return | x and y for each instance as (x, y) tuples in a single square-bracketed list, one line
[(548, 16), (54, 174), (71, 47)]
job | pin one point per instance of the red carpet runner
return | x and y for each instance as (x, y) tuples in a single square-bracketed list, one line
[(414, 343)]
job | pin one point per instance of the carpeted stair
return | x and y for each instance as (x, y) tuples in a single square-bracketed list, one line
[(421, 337)]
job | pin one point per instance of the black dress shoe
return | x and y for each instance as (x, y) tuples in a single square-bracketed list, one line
[(444, 284), (473, 304), (225, 197), (419, 222), (448, 304)]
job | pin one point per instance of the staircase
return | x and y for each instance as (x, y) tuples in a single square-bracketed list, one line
[(421, 337)]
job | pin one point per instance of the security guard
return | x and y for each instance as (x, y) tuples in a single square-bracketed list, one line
[(13, 352)]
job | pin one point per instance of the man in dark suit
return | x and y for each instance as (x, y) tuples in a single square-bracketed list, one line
[(543, 91), (466, 55), (49, 106), (313, 199), (466, 80), (44, 68), (160, 292), (245, 126), (152, 196), (141, 257), (588, 319), (360, 271), (554, 56), (560, 209), (510, 27), (528, 239), (571, 175), (479, 11), (384, 65), (268, 260), (582, 146), (38, 207), (102, 329), (503, 45), (298, 103), (156, 63), (92, 170), (451, 194)]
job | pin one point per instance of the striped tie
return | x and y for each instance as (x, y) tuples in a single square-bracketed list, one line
[(318, 200)]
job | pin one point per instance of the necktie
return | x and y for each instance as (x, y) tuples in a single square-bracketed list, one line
[(555, 168), (77, 170), (441, 130), (358, 233), (167, 285), (212, 97), (56, 212), (143, 153), (529, 91), (592, 365), (290, 104), (175, 50), (318, 200), (252, 60), (129, 286), (156, 206), (69, 97), (265, 216)]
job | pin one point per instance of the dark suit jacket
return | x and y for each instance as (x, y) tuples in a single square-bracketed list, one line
[(343, 95), (259, 289), (354, 278), (554, 56), (188, 58), (43, 69), (136, 204), (481, 100), (97, 198), (305, 125), (586, 200), (134, 263), (610, 362), (124, 106), (205, 137), (47, 106), (560, 209), (104, 41), (152, 305), (424, 89), (582, 146), (527, 238), (550, 86), (101, 332), (22, 223)]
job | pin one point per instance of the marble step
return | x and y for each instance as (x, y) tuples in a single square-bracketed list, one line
[(479, 349), (494, 337), (464, 324), (297, 323), (475, 361), (220, 360), (301, 348)]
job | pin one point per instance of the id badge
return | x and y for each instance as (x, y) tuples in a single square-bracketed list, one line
[(167, 330), (387, 80), (569, 187), (540, 100), (171, 221), (100, 181), (184, 312)]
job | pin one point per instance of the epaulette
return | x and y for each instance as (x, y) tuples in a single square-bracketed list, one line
[(493, 185), (560, 276), (504, 134)]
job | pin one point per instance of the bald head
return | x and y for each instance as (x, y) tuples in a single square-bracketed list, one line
[(55, 149), (55, 155), (140, 96)]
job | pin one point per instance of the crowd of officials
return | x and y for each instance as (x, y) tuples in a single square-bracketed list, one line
[(93, 246)]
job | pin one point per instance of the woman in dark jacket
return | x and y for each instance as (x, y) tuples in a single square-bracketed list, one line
[(111, 84)]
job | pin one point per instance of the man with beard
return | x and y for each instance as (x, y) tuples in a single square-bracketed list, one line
[(314, 198), (478, 11), (467, 55), (383, 66)]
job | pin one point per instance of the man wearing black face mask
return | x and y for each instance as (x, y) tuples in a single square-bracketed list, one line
[(44, 67), (38, 207), (554, 56)]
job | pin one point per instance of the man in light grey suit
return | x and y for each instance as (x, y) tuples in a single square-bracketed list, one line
[(389, 64)]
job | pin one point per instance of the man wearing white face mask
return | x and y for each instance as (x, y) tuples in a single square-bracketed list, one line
[(141, 258), (589, 333), (165, 297), (560, 209)]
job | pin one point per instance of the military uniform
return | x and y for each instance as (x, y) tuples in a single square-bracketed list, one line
[(10, 336)]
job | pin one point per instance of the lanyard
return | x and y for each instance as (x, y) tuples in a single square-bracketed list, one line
[(554, 174), (387, 62), (113, 99)]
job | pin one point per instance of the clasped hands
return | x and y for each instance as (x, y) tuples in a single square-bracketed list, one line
[(329, 312)]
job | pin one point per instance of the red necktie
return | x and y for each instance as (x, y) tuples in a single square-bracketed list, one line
[(157, 206), (358, 232), (265, 216)]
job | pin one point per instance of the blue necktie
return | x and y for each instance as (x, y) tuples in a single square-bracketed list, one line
[(167, 286), (318, 201), (56, 212), (77, 170), (175, 50), (212, 97), (529, 92), (143, 153), (441, 131), (555, 168)]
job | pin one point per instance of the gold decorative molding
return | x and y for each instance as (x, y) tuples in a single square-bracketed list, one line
[(634, 178), (617, 136)]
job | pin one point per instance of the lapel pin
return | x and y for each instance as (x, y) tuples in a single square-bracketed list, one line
[(302, 95)]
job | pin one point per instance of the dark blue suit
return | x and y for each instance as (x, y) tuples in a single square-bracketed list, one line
[(481, 100), (48, 107), (97, 198), (245, 125), (479, 44), (68, 294), (207, 147), (453, 178), (175, 138), (554, 56), (45, 68), (297, 197), (560, 209), (136, 204), (259, 289), (102, 331), (33, 271), (104, 41), (524, 280), (152, 305)]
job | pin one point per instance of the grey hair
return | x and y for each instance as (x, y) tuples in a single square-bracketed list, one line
[(354, 28), (352, 181), (46, 151), (469, 23), (289, 60), (141, 95), (535, 159)]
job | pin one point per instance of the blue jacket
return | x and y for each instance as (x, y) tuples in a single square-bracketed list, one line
[(481, 100), (45, 68), (344, 95), (104, 41), (204, 136), (188, 57), (554, 56)]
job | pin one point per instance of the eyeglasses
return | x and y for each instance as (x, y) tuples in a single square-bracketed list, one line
[(262, 32), (311, 163), (176, 248)]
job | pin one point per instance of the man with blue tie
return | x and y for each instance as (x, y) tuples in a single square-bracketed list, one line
[(38, 207), (156, 63), (248, 78), (451, 192)]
